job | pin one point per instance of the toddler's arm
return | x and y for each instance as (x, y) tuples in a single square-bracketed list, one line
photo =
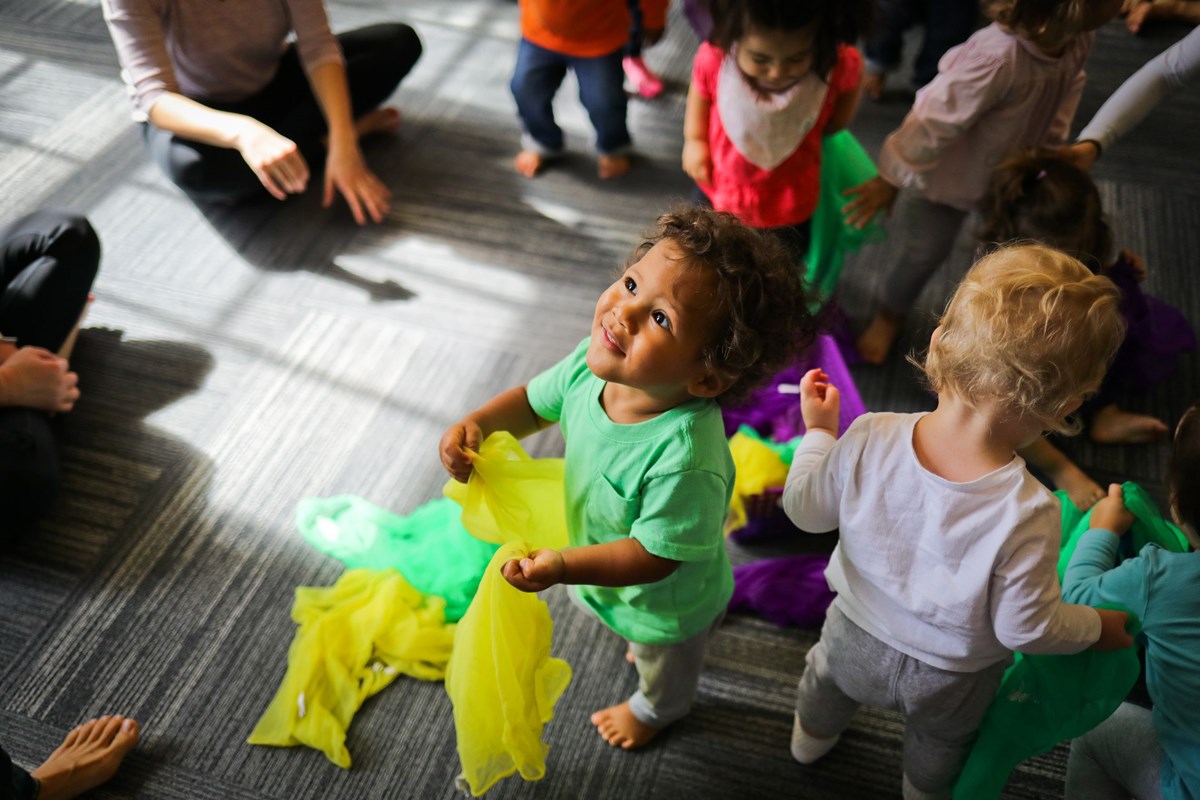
[(623, 562), (697, 157), (1091, 577), (811, 495), (844, 109), (1028, 609), (509, 411)]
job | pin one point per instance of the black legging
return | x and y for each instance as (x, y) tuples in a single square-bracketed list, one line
[(377, 58), (48, 261), (15, 783)]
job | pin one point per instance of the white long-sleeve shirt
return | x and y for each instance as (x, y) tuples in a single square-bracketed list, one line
[(953, 574)]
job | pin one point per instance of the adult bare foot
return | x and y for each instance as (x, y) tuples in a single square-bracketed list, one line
[(621, 728), (381, 120), (1111, 425), (68, 346), (877, 340), (88, 757), (528, 163), (609, 167)]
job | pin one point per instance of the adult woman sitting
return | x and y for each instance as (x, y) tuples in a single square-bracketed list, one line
[(48, 261), (231, 107)]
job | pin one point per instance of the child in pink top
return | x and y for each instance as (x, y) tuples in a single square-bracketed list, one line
[(778, 76), (1014, 84)]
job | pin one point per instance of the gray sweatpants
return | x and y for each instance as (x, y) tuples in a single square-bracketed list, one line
[(668, 674), (1118, 759), (929, 232), (942, 709)]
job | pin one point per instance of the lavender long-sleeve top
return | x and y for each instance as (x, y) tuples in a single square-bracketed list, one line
[(994, 94), (209, 51)]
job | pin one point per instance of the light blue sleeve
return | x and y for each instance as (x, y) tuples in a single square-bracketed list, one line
[(1092, 580)]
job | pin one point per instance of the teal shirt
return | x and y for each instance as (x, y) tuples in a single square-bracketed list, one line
[(666, 482), (1160, 587)]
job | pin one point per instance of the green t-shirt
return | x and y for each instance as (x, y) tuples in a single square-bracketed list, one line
[(666, 482)]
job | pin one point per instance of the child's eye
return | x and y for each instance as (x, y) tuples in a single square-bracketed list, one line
[(661, 320), (760, 60), (631, 285)]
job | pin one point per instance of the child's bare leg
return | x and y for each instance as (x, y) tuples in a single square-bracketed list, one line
[(1111, 425), (528, 163), (877, 340), (1064, 473), (608, 167), (621, 728), (88, 757)]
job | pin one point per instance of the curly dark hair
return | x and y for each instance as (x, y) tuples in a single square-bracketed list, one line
[(759, 305), (1041, 196), (841, 22)]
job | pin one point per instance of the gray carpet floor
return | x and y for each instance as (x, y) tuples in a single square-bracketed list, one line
[(240, 359)]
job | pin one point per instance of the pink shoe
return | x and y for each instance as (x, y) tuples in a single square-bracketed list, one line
[(645, 82)]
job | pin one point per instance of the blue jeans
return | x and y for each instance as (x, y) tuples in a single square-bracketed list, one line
[(947, 23), (536, 79)]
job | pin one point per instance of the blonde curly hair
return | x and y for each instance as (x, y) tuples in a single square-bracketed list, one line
[(1030, 329)]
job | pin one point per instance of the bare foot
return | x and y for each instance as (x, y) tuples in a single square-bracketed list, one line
[(609, 167), (1082, 490), (877, 340), (621, 728), (68, 346), (873, 84), (528, 163), (1111, 425), (381, 120), (88, 757), (629, 655)]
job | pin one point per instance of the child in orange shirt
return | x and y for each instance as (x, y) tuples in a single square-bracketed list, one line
[(587, 36)]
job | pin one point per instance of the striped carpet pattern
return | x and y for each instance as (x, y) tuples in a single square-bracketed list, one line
[(240, 359)]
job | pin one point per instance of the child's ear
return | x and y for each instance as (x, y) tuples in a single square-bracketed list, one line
[(711, 384)]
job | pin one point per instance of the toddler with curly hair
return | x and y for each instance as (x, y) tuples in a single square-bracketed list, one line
[(707, 310)]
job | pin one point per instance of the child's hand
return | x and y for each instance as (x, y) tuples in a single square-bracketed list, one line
[(458, 442), (1110, 513), (540, 570), (697, 161), (819, 402), (1081, 154), (869, 199), (1113, 635)]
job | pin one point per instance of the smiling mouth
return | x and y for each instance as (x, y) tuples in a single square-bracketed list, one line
[(610, 342)]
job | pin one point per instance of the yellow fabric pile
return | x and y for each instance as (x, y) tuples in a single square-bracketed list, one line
[(355, 637)]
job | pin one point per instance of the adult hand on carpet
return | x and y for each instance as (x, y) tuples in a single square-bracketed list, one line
[(366, 195), (36, 378)]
